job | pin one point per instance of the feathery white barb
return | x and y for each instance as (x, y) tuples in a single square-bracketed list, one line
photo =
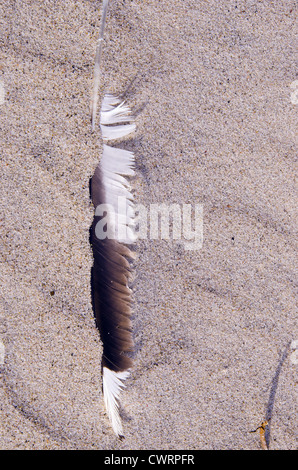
[(114, 164), (113, 111), (112, 386)]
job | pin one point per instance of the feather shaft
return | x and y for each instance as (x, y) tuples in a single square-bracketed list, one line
[(96, 80)]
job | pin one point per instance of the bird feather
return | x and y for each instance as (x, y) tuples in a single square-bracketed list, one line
[(112, 233), (111, 294)]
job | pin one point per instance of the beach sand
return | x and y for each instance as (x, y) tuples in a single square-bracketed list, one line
[(210, 85)]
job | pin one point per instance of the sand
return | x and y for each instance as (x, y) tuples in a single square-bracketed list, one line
[(215, 328)]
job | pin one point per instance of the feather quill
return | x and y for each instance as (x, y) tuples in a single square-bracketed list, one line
[(96, 81)]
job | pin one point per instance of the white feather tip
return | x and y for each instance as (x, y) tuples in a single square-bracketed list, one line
[(112, 386)]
